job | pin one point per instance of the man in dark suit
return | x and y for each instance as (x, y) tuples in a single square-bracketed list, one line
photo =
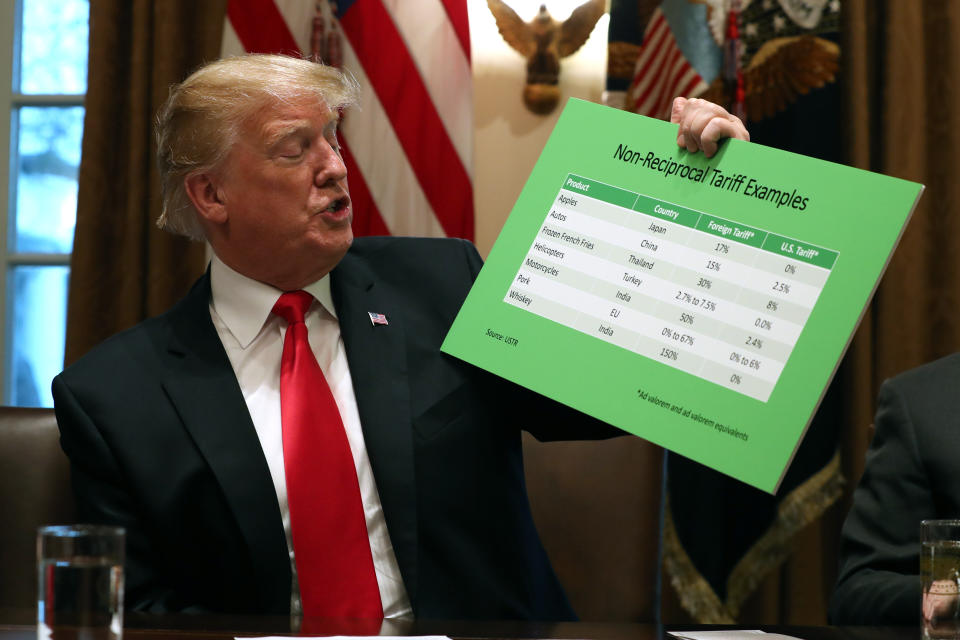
[(177, 429), (910, 475)]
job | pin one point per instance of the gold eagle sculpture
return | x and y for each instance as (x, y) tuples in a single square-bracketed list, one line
[(543, 42)]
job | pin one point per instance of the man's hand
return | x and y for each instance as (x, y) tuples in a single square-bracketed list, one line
[(703, 124), (940, 600)]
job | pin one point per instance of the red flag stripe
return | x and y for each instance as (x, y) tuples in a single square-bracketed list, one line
[(666, 78), (678, 77), (679, 69), (658, 66), (457, 14), (652, 40), (260, 27), (419, 128), (647, 77), (695, 80)]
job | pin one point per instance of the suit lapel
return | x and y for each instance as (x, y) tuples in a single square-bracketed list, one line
[(204, 389), (378, 368)]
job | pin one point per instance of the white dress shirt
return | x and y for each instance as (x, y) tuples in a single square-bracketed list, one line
[(253, 339)]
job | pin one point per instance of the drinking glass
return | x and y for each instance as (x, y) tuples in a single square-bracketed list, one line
[(940, 578), (80, 582)]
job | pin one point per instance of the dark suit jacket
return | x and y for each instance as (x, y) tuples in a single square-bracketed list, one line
[(161, 442), (912, 473)]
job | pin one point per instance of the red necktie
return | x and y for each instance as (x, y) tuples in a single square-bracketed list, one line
[(330, 543)]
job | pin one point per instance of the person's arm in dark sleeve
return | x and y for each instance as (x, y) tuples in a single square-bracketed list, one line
[(101, 498), (879, 572)]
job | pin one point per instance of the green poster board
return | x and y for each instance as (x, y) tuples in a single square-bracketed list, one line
[(702, 304)]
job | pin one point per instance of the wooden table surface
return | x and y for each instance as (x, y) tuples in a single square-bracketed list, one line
[(19, 624)]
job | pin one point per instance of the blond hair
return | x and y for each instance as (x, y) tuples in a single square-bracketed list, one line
[(201, 119)]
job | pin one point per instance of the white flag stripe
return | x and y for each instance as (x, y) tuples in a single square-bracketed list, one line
[(435, 49), (652, 76), (650, 63), (445, 69), (652, 41), (298, 14), (230, 45), (393, 186), (663, 96)]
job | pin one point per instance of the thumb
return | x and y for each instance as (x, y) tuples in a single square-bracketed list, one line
[(677, 110)]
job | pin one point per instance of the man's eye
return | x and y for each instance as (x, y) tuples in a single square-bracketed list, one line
[(293, 150)]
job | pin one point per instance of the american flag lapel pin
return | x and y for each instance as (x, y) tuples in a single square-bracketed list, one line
[(377, 318)]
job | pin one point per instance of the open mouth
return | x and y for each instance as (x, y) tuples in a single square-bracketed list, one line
[(337, 206)]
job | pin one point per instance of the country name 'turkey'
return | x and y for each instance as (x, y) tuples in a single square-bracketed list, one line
[(632, 279)]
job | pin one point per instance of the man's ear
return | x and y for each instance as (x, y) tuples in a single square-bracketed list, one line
[(204, 192)]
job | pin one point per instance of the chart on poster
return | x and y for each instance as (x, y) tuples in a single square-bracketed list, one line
[(712, 297), (701, 303)]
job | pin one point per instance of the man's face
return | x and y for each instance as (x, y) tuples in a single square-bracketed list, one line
[(284, 192)]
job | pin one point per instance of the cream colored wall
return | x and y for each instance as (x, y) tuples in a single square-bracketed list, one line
[(507, 137)]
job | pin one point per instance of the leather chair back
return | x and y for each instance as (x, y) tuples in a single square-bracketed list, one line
[(597, 509), (34, 490)]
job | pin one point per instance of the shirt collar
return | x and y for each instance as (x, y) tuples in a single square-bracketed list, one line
[(244, 304)]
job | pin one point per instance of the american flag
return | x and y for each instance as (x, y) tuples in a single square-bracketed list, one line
[(408, 148), (662, 72), (377, 318)]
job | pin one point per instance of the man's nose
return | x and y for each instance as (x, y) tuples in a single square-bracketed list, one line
[(330, 165)]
